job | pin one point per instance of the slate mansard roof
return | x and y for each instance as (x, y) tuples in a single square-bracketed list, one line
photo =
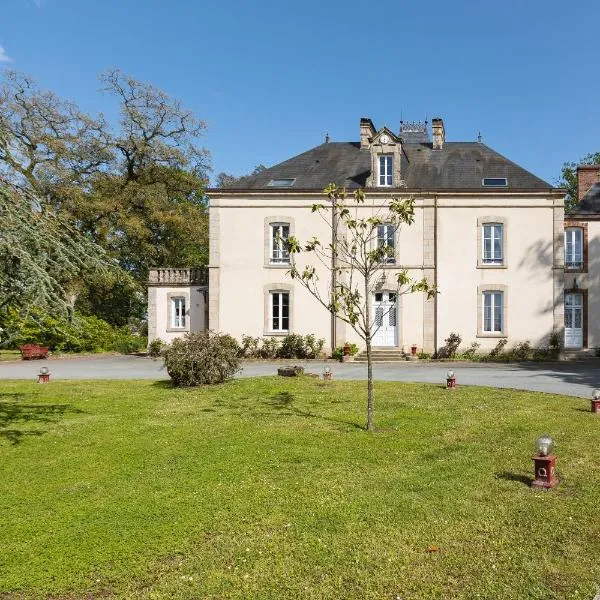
[(457, 166)]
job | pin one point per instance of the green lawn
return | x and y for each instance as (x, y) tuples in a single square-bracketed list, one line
[(268, 488)]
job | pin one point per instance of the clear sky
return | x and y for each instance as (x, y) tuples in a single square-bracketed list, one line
[(271, 78)]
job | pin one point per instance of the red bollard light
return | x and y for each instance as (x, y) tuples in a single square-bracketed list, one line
[(44, 375), (544, 464)]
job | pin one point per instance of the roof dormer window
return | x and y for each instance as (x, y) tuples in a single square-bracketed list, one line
[(386, 170)]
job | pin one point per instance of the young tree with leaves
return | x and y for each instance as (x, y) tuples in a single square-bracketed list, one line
[(355, 259)]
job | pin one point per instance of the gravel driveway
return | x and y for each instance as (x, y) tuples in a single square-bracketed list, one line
[(572, 379)]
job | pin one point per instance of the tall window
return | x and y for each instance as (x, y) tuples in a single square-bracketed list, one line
[(493, 312), (279, 233), (280, 311), (386, 237), (386, 167), (492, 251), (574, 248), (178, 313)]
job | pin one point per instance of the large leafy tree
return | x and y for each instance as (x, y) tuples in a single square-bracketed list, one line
[(569, 177), (354, 259), (137, 190), (42, 257)]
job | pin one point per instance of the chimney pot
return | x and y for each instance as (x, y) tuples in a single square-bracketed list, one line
[(438, 133), (587, 176)]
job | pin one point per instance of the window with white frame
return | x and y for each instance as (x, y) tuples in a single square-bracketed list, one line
[(279, 308), (178, 312), (279, 233), (386, 168), (493, 312), (492, 242), (574, 248), (386, 237)]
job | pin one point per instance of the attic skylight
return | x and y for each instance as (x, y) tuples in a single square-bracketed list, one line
[(494, 182), (281, 182)]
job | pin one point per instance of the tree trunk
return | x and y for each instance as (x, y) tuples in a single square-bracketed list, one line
[(369, 386), (369, 357)]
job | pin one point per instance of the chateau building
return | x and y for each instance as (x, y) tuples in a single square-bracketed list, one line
[(491, 236)]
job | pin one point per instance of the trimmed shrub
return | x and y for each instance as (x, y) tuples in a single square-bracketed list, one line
[(156, 348), (313, 347), (250, 346), (449, 349), (471, 352), (202, 358), (522, 351), (498, 349), (292, 346), (268, 348)]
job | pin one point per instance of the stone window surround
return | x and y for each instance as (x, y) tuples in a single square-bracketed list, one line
[(170, 297), (267, 290), (267, 236), (481, 221), (584, 242), (584, 319), (491, 287)]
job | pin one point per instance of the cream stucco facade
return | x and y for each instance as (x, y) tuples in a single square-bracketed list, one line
[(518, 294)]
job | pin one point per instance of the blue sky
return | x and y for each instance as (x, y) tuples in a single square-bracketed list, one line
[(271, 78)]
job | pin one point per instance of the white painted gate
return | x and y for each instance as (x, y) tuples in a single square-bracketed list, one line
[(573, 320), (385, 319)]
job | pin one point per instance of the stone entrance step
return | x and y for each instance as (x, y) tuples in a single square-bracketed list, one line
[(386, 355), (583, 354)]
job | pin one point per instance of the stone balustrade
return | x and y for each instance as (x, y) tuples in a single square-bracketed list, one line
[(178, 276)]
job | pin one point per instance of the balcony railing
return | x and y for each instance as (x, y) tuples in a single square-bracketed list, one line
[(178, 276)]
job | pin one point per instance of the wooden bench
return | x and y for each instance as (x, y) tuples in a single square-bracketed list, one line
[(33, 351)]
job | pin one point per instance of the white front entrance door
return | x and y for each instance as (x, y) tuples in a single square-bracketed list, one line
[(573, 320), (385, 319)]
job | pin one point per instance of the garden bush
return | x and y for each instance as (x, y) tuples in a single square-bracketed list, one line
[(79, 334), (268, 348), (291, 346), (451, 346), (498, 349), (202, 358), (471, 352), (156, 348)]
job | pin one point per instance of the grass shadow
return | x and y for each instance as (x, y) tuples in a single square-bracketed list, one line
[(524, 479), (163, 384), (14, 411), (283, 402)]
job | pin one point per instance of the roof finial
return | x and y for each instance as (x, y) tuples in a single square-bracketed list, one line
[(479, 138), (327, 138)]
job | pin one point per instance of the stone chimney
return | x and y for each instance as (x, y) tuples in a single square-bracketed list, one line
[(587, 176), (438, 133), (367, 131)]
